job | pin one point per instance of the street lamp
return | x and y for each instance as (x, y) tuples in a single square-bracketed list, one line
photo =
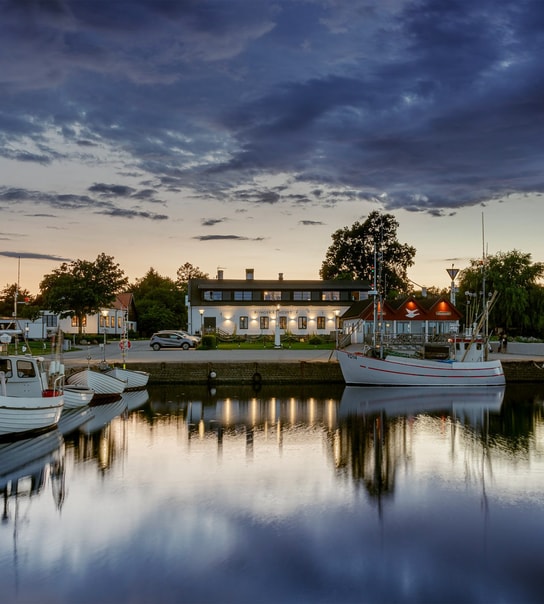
[(277, 338), (104, 312), (201, 311)]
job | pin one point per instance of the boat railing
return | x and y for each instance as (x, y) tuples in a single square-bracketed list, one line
[(3, 388)]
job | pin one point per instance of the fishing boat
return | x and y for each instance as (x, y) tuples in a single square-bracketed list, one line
[(135, 380), (366, 368), (105, 386), (27, 402)]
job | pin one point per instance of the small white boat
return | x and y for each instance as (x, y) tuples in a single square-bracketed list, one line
[(76, 396), (105, 386), (135, 380)]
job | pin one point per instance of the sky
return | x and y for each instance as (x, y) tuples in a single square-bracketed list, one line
[(236, 134)]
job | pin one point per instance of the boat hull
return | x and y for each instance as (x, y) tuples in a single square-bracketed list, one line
[(105, 386), (21, 415), (361, 370), (135, 380), (76, 397)]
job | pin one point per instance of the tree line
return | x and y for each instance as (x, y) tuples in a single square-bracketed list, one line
[(369, 250)]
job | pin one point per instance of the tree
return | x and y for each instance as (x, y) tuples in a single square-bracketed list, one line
[(187, 272), (160, 303), (82, 287), (352, 254), (26, 305), (515, 279)]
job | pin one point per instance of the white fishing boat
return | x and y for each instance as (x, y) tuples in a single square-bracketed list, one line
[(366, 368), (135, 380), (26, 414), (26, 402), (104, 386)]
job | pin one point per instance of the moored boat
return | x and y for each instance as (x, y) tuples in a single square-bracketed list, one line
[(366, 368), (76, 396), (105, 386), (135, 380)]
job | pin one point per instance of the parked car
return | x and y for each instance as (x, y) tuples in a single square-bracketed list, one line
[(173, 339)]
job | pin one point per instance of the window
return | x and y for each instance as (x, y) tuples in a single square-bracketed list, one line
[(331, 296), (213, 295), (50, 320), (5, 366), (243, 295), (244, 322), (283, 322), (75, 323), (264, 322), (320, 322), (302, 296), (119, 322), (25, 369), (103, 320), (275, 295), (303, 322)]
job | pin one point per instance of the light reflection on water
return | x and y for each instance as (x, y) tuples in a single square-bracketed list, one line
[(316, 494)]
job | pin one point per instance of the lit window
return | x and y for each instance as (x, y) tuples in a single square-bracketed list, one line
[(303, 322), (320, 322), (264, 322), (244, 322), (331, 296), (275, 295)]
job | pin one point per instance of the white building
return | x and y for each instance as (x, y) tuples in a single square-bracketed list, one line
[(251, 307)]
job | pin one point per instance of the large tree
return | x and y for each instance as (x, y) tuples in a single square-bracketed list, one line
[(81, 287), (160, 303), (515, 279), (354, 250)]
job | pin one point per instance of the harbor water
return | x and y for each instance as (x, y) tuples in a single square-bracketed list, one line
[(280, 494)]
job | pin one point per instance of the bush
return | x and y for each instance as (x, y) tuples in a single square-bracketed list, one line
[(315, 340), (209, 342)]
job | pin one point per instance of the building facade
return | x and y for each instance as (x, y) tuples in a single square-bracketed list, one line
[(424, 318), (253, 307)]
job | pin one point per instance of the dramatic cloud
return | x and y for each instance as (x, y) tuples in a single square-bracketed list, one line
[(29, 255)]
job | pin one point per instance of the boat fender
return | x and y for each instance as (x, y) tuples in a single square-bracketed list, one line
[(212, 375), (257, 378)]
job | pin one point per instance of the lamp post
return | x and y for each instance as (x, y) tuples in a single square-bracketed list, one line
[(201, 311), (277, 338), (104, 312)]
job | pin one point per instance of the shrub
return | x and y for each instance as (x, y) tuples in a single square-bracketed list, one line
[(209, 342)]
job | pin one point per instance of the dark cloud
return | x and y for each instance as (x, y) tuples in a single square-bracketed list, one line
[(427, 105), (212, 221), (32, 256), (311, 222), (226, 238)]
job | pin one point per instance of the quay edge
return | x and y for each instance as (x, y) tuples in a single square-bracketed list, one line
[(277, 372)]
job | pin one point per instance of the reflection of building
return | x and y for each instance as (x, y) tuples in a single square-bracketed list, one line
[(252, 307)]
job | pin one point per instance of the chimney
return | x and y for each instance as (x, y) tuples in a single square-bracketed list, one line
[(280, 276), (219, 274), (249, 274)]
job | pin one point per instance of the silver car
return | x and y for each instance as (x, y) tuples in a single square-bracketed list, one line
[(173, 339)]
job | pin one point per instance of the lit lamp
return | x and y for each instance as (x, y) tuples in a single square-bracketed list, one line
[(104, 312), (201, 311), (277, 339)]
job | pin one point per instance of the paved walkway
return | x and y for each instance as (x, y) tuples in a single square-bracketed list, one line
[(141, 352)]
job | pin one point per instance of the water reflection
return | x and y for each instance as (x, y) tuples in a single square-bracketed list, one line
[(282, 494)]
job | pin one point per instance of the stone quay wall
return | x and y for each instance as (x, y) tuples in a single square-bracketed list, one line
[(303, 372)]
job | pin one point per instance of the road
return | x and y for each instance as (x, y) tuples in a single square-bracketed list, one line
[(141, 352)]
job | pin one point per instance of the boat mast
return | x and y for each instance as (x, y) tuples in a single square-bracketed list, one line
[(484, 298)]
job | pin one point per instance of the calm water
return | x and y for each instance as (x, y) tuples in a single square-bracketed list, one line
[(282, 495)]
